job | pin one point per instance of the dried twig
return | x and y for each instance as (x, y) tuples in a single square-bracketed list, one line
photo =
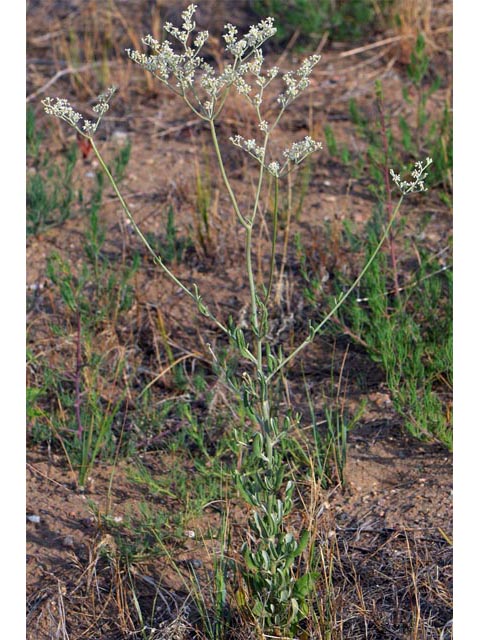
[(60, 74), (385, 41)]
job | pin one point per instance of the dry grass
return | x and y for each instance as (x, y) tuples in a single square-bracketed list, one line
[(411, 18), (372, 584)]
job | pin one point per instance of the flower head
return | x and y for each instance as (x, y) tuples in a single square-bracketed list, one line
[(418, 178), (297, 81), (61, 108)]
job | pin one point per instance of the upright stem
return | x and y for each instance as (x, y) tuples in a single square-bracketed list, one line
[(247, 224), (226, 181), (253, 295), (286, 238), (274, 241), (251, 277)]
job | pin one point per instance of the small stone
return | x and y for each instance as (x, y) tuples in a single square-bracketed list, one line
[(33, 518), (88, 522), (119, 136), (68, 542), (194, 563)]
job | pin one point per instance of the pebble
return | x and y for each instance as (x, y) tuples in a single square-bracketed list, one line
[(194, 563), (35, 519), (119, 136), (68, 542), (88, 522)]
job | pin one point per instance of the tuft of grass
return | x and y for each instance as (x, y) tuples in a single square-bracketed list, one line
[(69, 404), (50, 191), (345, 21), (409, 19), (410, 336), (171, 247)]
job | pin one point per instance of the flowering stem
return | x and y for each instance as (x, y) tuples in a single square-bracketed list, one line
[(156, 257), (315, 330), (248, 226), (253, 294), (226, 181)]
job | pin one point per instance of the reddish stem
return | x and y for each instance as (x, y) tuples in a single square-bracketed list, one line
[(78, 373), (388, 192)]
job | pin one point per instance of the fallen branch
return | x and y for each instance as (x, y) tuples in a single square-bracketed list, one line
[(60, 74), (381, 43)]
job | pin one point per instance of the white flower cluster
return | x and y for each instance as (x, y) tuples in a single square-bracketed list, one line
[(214, 85), (295, 154), (178, 70), (297, 81), (164, 63), (62, 109), (254, 39), (298, 151), (187, 27), (205, 89), (250, 146), (418, 178), (254, 68)]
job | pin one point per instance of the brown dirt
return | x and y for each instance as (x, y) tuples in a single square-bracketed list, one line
[(393, 522)]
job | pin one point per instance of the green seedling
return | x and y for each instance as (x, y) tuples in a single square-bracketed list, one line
[(51, 195)]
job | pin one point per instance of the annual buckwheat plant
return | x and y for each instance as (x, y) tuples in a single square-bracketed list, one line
[(275, 585)]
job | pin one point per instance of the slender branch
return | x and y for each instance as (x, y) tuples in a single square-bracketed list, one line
[(274, 241), (253, 295), (226, 181), (315, 330), (388, 191), (195, 296)]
